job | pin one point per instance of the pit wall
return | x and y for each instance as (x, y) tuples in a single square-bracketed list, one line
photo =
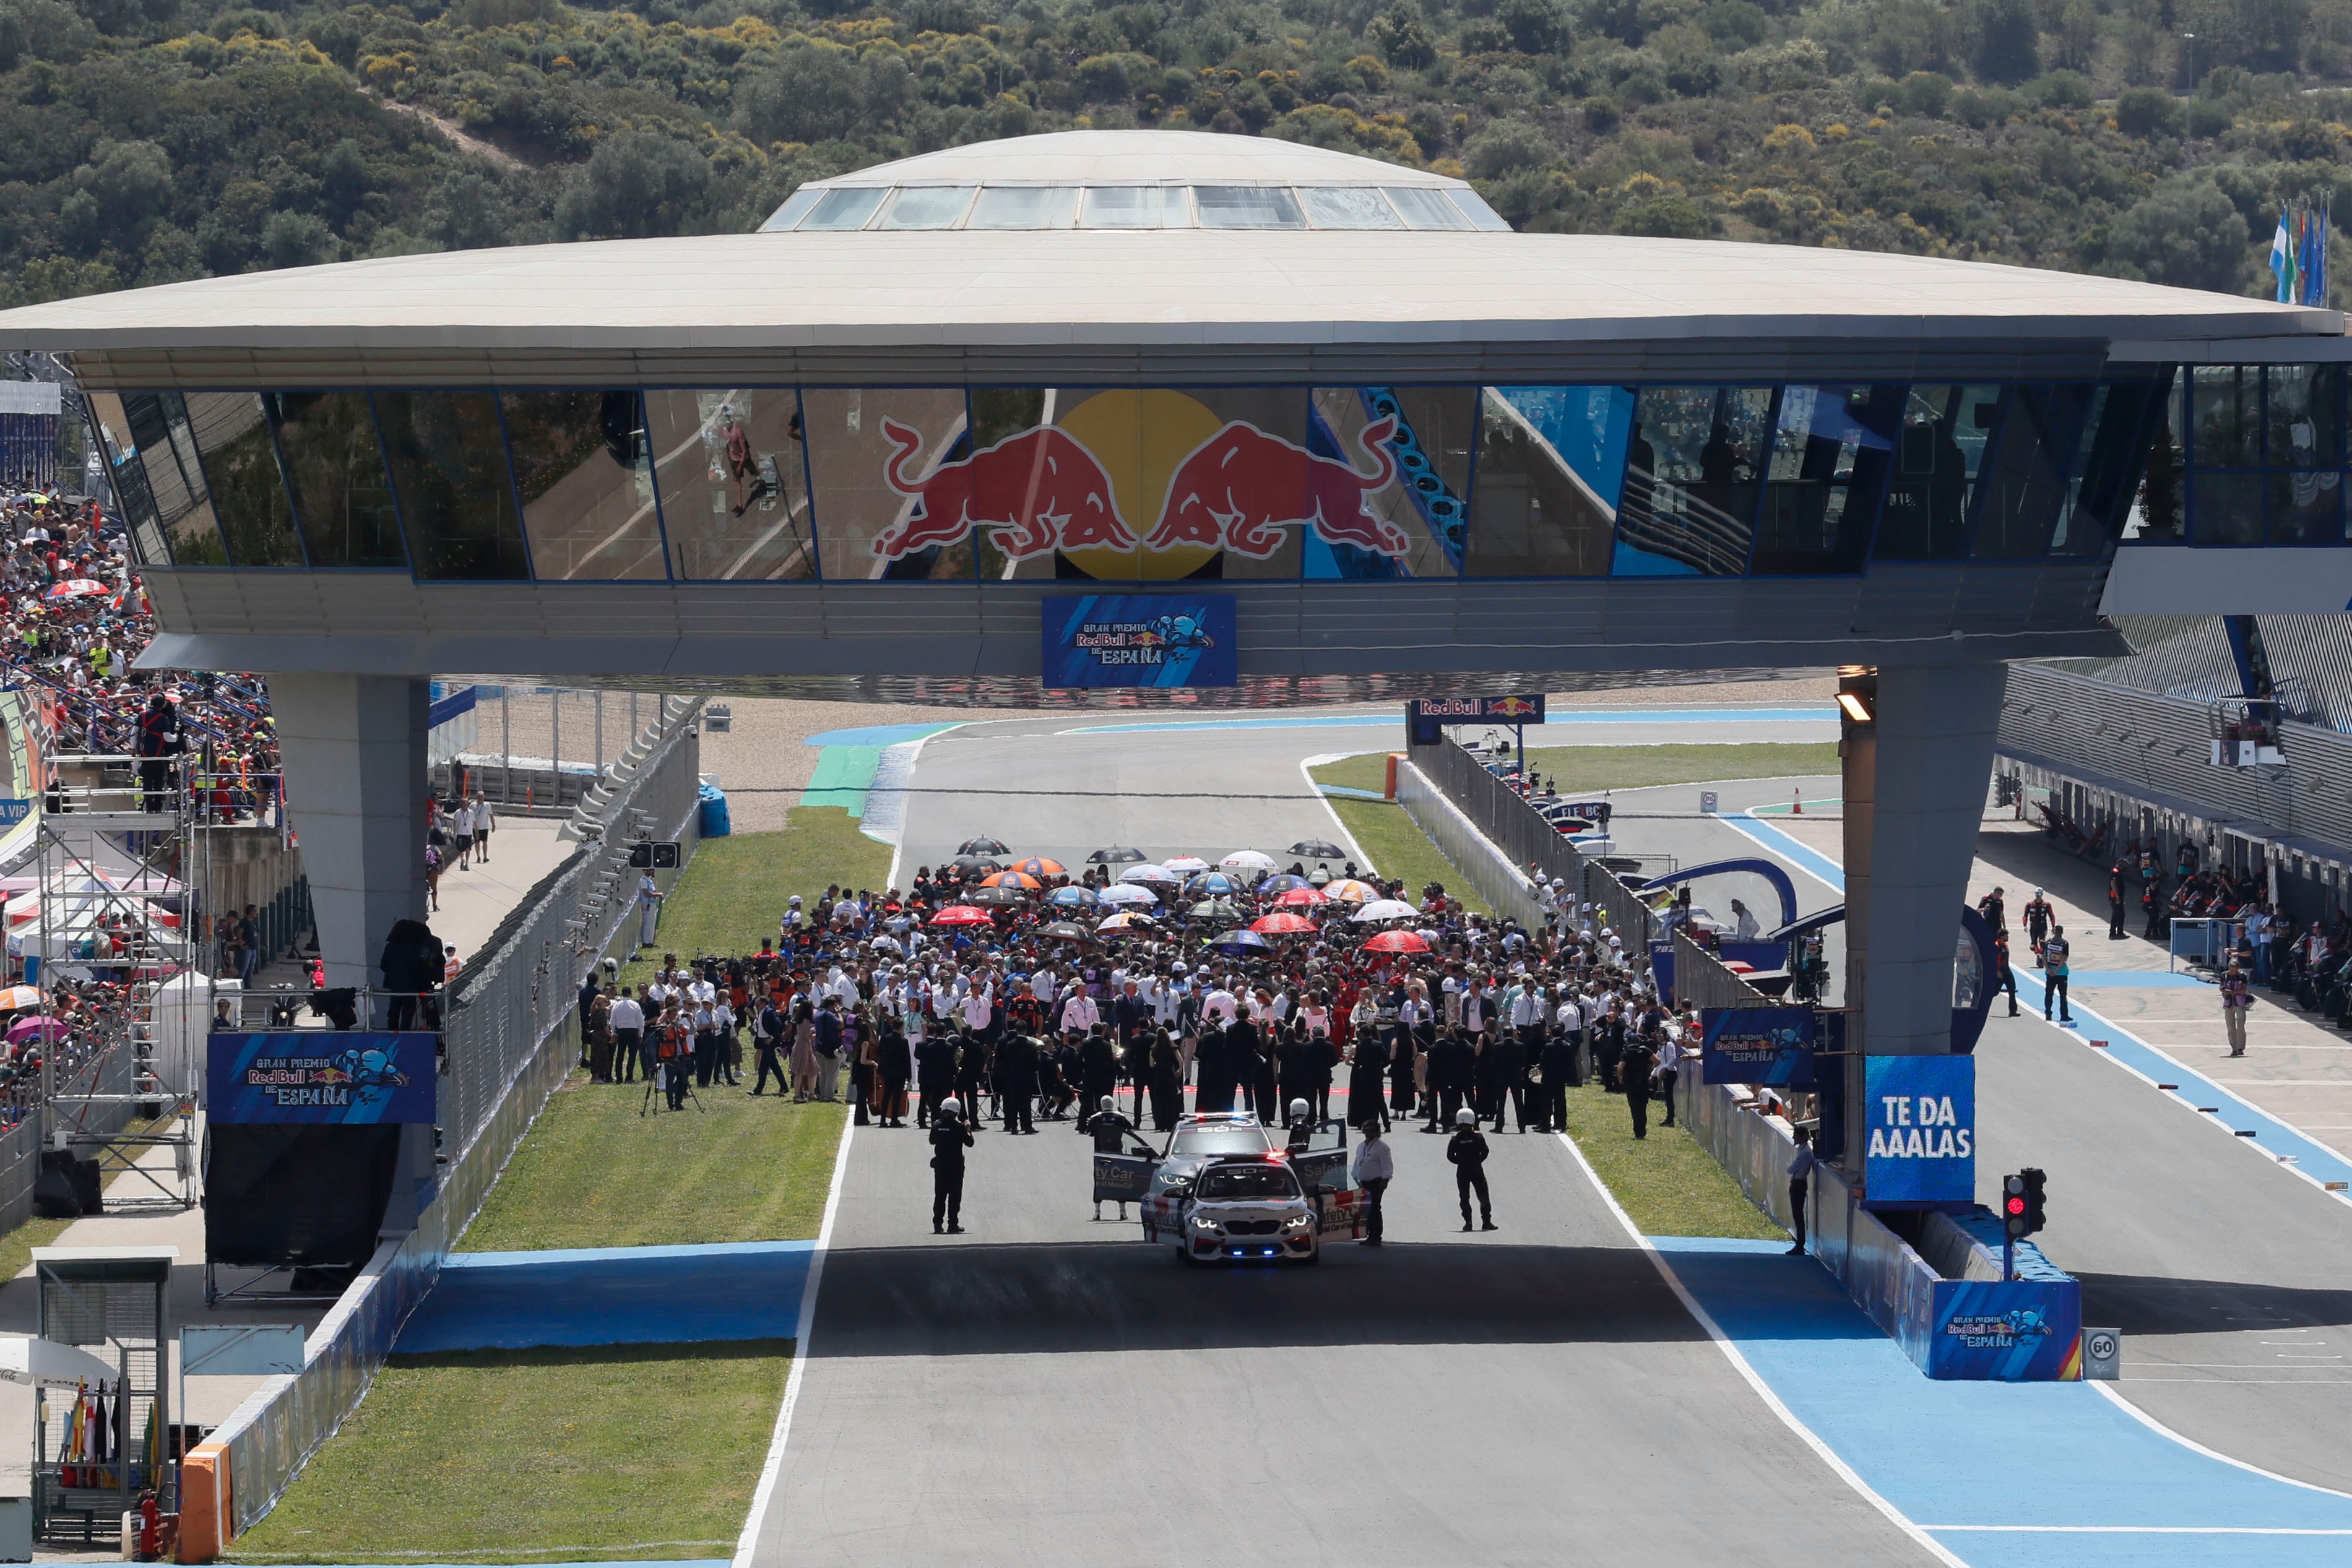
[(513, 1034), (1474, 855)]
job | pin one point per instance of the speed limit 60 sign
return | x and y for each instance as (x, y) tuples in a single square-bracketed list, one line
[(2103, 1354)]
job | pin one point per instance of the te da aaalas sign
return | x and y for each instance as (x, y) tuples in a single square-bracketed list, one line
[(1919, 1117)]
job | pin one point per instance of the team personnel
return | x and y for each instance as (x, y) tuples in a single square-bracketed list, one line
[(950, 1139), (2236, 1002), (2055, 953), (1016, 1075), (1635, 1062), (1111, 1132), (1467, 1152), (1800, 1172), (2038, 917)]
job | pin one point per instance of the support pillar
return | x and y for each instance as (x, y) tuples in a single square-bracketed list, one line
[(354, 749), (1916, 772)]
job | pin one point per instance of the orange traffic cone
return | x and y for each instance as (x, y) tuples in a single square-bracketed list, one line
[(1796, 802)]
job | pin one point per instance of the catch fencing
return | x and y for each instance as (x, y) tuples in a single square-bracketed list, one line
[(511, 1036), (20, 1145)]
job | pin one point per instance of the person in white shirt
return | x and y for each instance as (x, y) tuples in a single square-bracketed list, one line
[(1743, 919), (628, 1024), (649, 902), (1079, 1013), (1220, 1006), (978, 1007), (1375, 1165)]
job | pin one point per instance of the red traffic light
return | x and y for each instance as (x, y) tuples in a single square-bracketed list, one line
[(2016, 1204)]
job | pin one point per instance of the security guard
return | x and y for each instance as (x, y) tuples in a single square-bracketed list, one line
[(1467, 1151), (1634, 1065), (1111, 1132), (950, 1139), (1302, 1127)]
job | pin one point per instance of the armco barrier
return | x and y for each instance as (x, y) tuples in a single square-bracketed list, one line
[(512, 1038), (1474, 855)]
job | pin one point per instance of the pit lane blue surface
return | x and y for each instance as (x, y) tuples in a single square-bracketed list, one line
[(2003, 1475), (611, 1296), (1558, 716)]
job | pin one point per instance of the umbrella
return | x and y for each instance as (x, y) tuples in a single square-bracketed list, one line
[(960, 914), (76, 587), (975, 865), (1240, 942), (1386, 909), (39, 1024), (996, 896), (1318, 848), (1187, 864), (1117, 855), (1074, 897), (1019, 879), (982, 847), (1281, 923), (1247, 860), (1350, 889), (1127, 893), (1300, 898), (1282, 883), (1065, 931), (1150, 876), (1215, 909), (1125, 920), (1212, 884), (1038, 865), (24, 1359), (1397, 942), (15, 997)]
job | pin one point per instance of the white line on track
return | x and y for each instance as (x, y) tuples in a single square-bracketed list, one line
[(1332, 812), (765, 1492), (1762, 1390)]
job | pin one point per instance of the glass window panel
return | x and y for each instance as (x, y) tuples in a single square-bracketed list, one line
[(2155, 513), (127, 472), (795, 208), (847, 208), (1023, 207), (926, 207), (241, 467), (2114, 453), (2227, 405), (1936, 455), (1349, 207), (2036, 445), (1416, 523), (449, 472), (1424, 208), (1694, 462), (2305, 423), (167, 449), (1248, 207), (2306, 508), (2226, 509), (885, 473), (1136, 207), (1830, 454), (1551, 471), (1474, 207), (341, 495), (587, 484), (734, 489)]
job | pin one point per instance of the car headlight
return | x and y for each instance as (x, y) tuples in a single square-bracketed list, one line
[(1297, 1222), (1205, 1225)]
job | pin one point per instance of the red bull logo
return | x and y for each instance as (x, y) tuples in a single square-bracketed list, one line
[(1043, 489), (1032, 491), (1243, 487), (1511, 707)]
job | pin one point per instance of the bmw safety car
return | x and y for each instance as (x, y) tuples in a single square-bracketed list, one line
[(1226, 1188)]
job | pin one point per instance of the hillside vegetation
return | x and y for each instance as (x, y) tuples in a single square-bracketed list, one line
[(144, 141)]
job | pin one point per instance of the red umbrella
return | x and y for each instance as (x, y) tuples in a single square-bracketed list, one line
[(961, 915), (1300, 897), (1281, 923), (1398, 942)]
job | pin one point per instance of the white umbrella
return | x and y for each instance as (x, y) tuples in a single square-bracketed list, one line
[(1150, 876), (1186, 864), (24, 1359), (1247, 860), (1386, 909), (1128, 893)]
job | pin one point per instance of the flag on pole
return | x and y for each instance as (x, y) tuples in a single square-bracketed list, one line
[(2283, 259)]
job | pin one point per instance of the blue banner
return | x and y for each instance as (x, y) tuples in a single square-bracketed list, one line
[(444, 709), (1758, 1045), (1139, 640), (1919, 1119), (321, 1077), (1525, 709), (2011, 1330)]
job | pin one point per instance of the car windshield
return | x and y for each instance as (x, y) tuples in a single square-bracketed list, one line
[(1247, 1182), (1220, 1141)]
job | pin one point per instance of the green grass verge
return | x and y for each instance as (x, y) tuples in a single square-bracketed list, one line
[(1582, 770), (16, 1247), (1369, 771), (1667, 1182), (592, 1171), (1394, 841), (610, 1452), (734, 890)]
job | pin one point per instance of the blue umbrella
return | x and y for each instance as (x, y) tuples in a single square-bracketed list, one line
[(1075, 896), (1282, 883), (1212, 884), (1239, 942)]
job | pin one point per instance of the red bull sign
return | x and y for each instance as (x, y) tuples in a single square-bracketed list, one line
[(1241, 489), (1481, 710)]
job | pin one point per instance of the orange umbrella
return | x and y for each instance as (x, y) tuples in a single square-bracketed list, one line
[(1038, 865), (1281, 923), (1019, 879), (961, 915), (1351, 891)]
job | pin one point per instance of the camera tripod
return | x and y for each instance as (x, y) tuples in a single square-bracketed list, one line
[(653, 1085)]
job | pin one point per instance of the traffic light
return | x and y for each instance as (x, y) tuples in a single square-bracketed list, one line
[(659, 854), (2036, 1213), (2013, 1207)]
